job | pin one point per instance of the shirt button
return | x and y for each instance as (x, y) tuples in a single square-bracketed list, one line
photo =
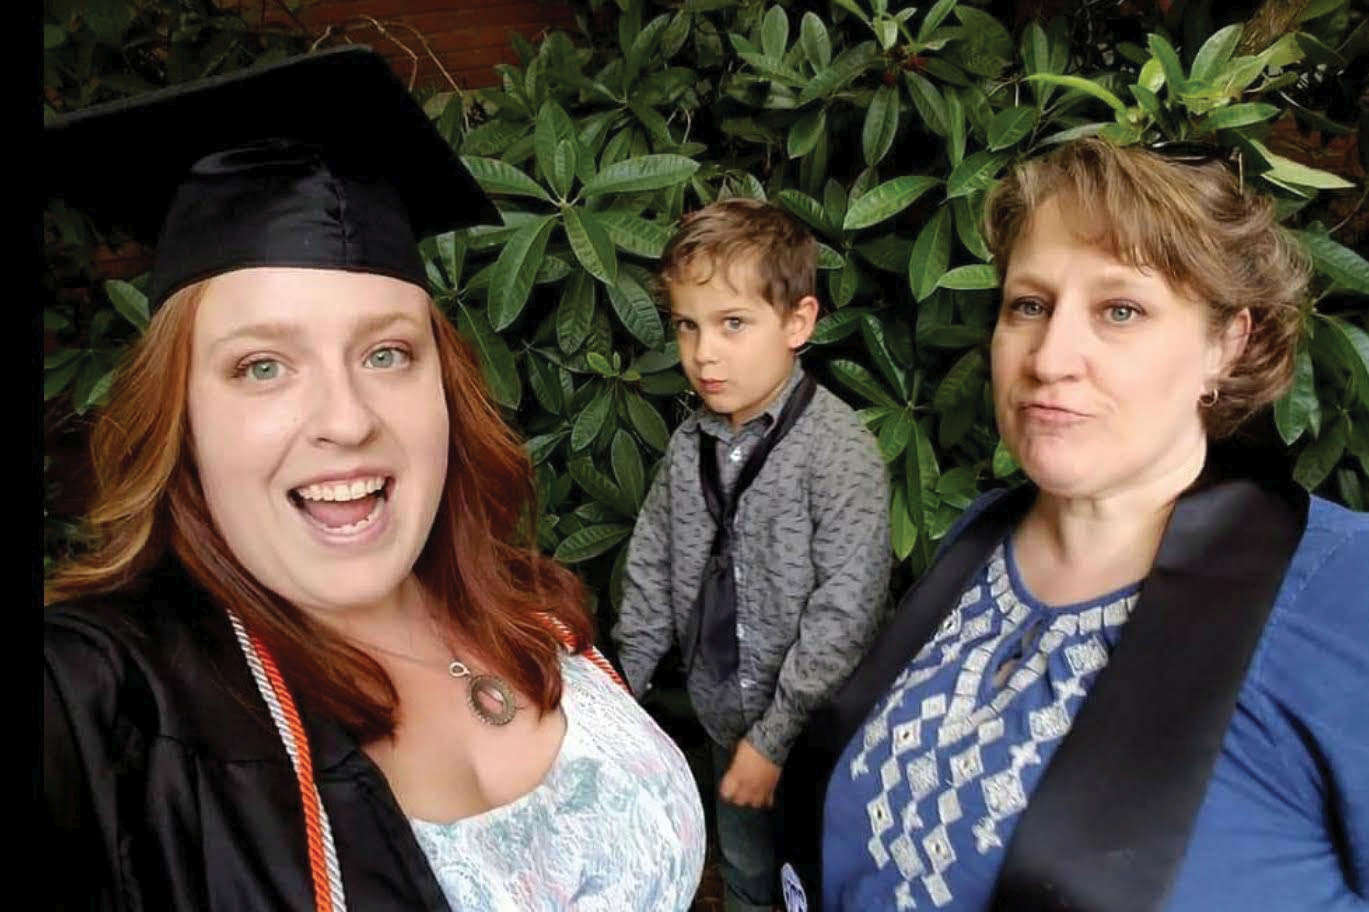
[(741, 632), (737, 574), (744, 682), (735, 455)]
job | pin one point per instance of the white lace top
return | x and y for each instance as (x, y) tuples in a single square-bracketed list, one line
[(616, 824)]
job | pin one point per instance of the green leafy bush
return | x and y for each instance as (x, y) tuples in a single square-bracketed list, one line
[(881, 128)]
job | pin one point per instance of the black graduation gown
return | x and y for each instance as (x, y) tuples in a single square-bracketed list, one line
[(166, 786), (1222, 557)]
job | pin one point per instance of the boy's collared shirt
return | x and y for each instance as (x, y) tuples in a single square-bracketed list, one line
[(811, 556)]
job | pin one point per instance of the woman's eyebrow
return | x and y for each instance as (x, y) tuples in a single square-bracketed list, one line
[(280, 330), (265, 331)]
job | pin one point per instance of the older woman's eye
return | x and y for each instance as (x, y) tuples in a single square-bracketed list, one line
[(1122, 313), (387, 357), (733, 324), (684, 326)]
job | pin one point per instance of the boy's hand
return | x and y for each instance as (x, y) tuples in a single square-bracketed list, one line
[(750, 780)]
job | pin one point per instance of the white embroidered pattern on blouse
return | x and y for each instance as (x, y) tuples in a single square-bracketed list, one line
[(616, 824)]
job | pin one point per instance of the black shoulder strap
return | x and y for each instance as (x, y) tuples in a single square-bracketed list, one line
[(713, 624), (921, 610), (722, 505), (1109, 822)]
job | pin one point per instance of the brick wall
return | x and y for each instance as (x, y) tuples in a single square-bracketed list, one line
[(466, 38)]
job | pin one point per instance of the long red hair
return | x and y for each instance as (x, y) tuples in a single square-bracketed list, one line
[(480, 562)]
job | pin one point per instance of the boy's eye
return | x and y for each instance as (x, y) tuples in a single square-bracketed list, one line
[(1027, 307), (387, 357), (734, 323), (684, 325)]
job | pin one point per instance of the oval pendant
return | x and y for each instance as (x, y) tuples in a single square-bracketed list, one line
[(486, 691)]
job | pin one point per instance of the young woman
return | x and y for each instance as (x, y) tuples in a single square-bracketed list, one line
[(311, 657)]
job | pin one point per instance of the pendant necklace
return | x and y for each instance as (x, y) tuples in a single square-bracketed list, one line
[(489, 696)]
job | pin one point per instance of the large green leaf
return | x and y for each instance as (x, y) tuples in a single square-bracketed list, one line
[(493, 137), (965, 278), (1080, 84), (647, 422), (1216, 51), (634, 233), (902, 528), (502, 178), (1169, 60), (985, 47), (806, 131), (837, 325), (935, 16), (1342, 265), (591, 418), (591, 244), (817, 45), (962, 382), (129, 302), (598, 485), (931, 254), (881, 124), (575, 313), (806, 208), (636, 309), (1294, 409), (590, 542), (1239, 115), (645, 172), (858, 378), (872, 332), (546, 384), (850, 64), (975, 173), (552, 126), (775, 32), (495, 358), (967, 227), (1010, 125), (1349, 345), (930, 104), (515, 271), (627, 466), (886, 201), (1320, 457)]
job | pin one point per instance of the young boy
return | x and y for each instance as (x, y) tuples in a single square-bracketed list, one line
[(773, 604)]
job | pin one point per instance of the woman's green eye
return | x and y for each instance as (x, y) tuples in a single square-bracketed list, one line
[(384, 358), (266, 369), (1121, 313)]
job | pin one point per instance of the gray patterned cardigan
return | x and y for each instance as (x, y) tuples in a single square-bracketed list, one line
[(812, 559)]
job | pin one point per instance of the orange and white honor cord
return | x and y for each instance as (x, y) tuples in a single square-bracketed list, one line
[(323, 864)]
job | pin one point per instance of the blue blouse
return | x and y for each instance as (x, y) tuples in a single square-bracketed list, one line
[(923, 801)]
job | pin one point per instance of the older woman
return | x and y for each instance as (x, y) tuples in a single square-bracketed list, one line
[(310, 658), (1138, 681)]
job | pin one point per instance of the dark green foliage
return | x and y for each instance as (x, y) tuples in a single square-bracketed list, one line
[(880, 127)]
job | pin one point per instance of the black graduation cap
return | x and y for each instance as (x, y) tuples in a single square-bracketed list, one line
[(323, 160)]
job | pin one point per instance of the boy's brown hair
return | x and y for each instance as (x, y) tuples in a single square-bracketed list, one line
[(728, 231)]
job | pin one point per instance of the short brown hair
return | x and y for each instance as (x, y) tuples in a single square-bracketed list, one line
[(721, 233), (1199, 226)]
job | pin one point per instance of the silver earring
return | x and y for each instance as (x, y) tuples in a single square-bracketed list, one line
[(1209, 398)]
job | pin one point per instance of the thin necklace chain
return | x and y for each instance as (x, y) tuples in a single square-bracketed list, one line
[(478, 686)]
